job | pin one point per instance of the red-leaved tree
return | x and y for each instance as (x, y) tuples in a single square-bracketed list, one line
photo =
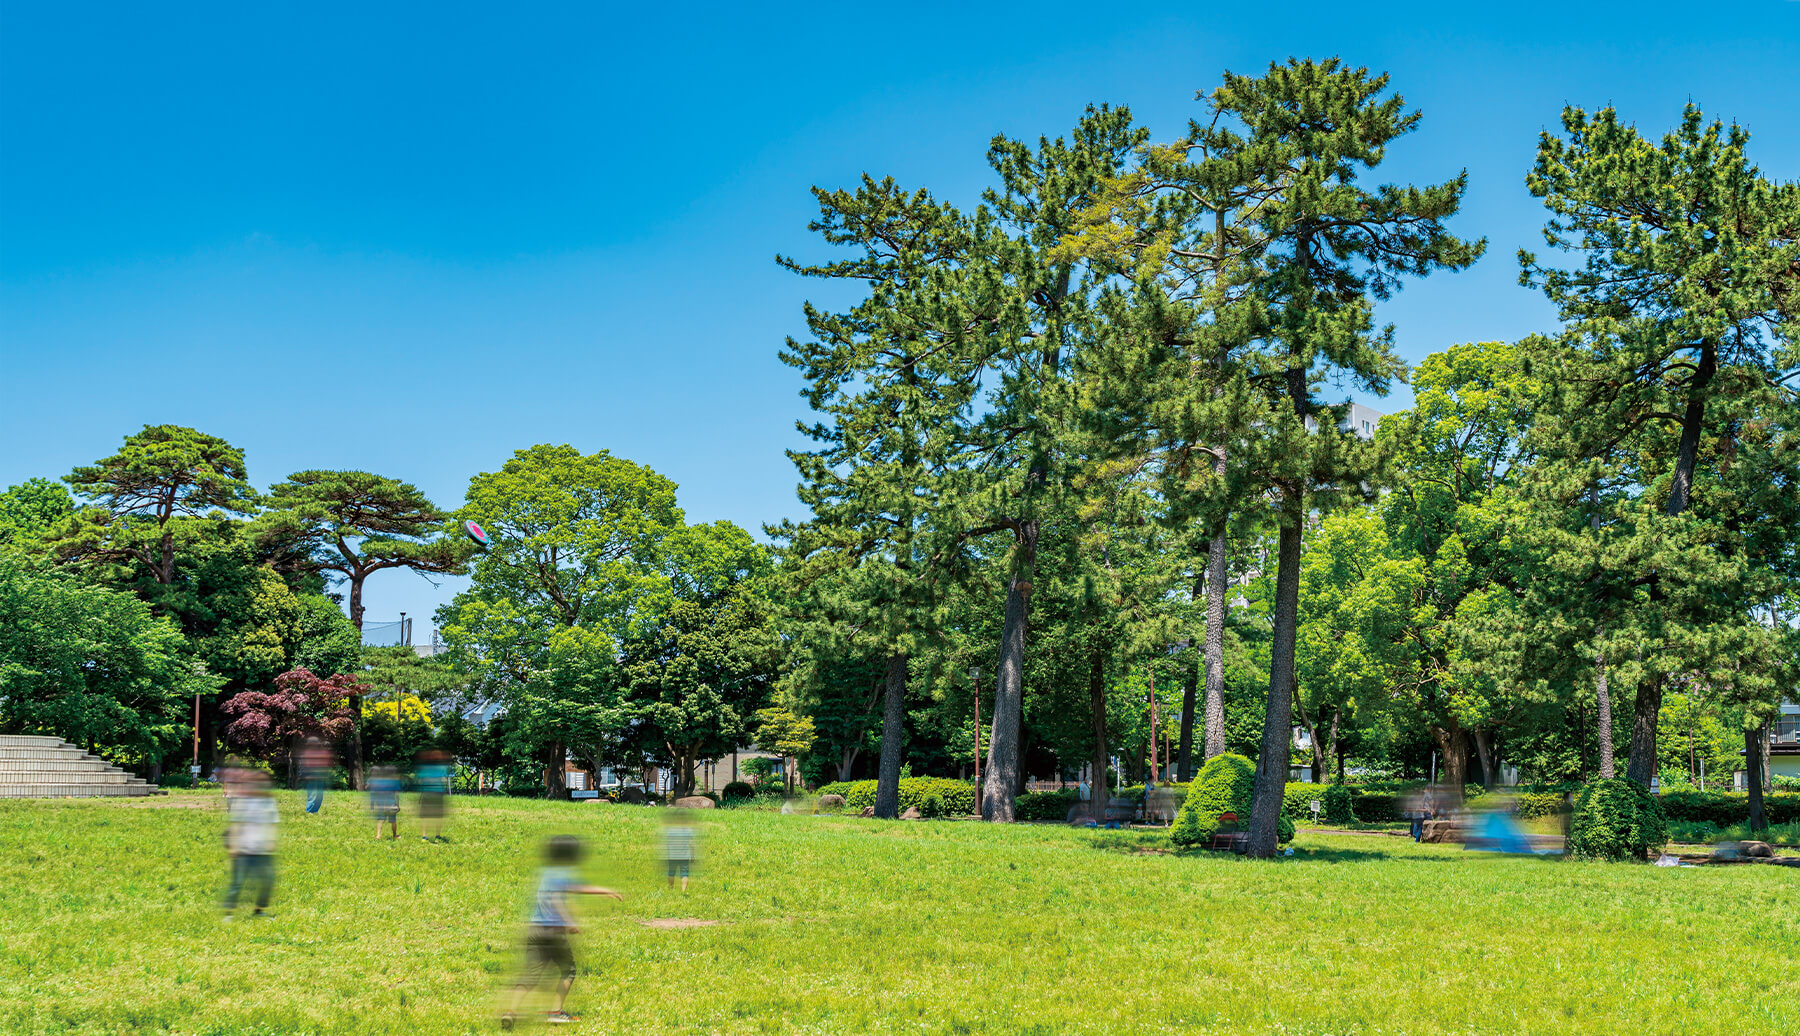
[(269, 725)]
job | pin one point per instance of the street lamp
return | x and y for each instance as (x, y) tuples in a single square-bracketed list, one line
[(975, 684)]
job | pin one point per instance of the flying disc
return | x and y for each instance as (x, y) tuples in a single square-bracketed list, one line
[(476, 533)]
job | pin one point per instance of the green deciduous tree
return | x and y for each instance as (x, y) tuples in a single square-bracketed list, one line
[(92, 666)]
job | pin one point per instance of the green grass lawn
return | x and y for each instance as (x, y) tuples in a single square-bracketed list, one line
[(838, 925)]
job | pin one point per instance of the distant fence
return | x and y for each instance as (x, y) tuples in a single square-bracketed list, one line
[(387, 634)]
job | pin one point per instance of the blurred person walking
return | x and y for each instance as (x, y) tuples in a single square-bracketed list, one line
[(384, 800), (678, 845), (547, 949), (315, 770), (250, 839), (433, 777)]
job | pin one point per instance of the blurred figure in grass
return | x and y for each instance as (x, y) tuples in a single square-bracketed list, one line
[(678, 845), (433, 776), (384, 800), (250, 839), (547, 949), (315, 770)]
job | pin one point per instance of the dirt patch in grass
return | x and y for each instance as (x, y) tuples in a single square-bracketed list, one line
[(676, 922)]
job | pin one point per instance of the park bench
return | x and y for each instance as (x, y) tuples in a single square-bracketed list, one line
[(1228, 835)]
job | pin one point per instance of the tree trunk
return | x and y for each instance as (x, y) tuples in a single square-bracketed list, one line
[(1603, 700), (1640, 765), (893, 733), (1272, 760), (554, 787), (1768, 780), (1753, 780), (1097, 793), (1453, 747), (1484, 751), (1002, 776), (1190, 695), (846, 763), (1217, 585), (353, 744)]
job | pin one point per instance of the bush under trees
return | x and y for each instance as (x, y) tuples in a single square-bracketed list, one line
[(955, 798), (1616, 819), (1226, 784)]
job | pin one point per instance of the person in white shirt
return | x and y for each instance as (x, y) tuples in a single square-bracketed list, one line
[(251, 842)]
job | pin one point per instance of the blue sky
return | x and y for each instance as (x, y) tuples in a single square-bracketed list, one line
[(412, 239)]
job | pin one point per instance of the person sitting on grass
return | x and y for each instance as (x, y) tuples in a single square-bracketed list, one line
[(547, 948), (384, 800), (250, 839)]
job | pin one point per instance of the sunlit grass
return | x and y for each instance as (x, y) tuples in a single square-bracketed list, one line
[(108, 924)]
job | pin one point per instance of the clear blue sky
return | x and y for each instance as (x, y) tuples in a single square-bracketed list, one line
[(413, 239)]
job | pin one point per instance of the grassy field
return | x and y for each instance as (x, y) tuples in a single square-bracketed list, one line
[(108, 924)]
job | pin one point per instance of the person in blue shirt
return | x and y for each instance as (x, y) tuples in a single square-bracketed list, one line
[(433, 778), (384, 800), (547, 949)]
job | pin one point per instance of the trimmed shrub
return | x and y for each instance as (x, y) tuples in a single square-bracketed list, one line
[(1338, 806), (957, 798), (1533, 804), (931, 806), (1226, 784), (1045, 805), (1334, 801), (1379, 808), (1725, 809), (738, 790), (1616, 820)]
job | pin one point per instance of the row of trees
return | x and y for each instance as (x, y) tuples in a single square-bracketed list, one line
[(1074, 450), (1102, 389)]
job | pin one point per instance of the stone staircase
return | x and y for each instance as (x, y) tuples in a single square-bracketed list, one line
[(33, 767)]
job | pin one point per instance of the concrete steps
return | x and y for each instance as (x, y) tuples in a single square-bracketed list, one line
[(37, 767)]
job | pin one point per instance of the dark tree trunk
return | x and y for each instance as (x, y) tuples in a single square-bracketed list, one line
[(1453, 747), (1767, 777), (554, 785), (1217, 585), (1603, 722), (1002, 776), (1484, 751), (1272, 759), (893, 735), (1640, 765), (353, 744), (1097, 793), (1753, 779), (1190, 700)]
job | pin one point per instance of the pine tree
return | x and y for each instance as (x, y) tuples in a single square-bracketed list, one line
[(1685, 298)]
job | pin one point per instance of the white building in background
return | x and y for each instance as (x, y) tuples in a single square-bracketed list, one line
[(1359, 421)]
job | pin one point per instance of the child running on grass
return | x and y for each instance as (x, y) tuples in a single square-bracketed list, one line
[(678, 845), (384, 800), (547, 948), (250, 839)]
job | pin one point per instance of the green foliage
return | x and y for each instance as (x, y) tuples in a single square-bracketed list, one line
[(92, 666), (956, 797), (1379, 807), (1045, 805), (1531, 805), (738, 790), (1616, 819), (30, 512), (1226, 784), (1726, 809)]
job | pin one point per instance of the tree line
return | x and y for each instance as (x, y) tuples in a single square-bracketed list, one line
[(1081, 446)]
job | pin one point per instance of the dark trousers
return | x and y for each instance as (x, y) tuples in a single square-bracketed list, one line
[(256, 871)]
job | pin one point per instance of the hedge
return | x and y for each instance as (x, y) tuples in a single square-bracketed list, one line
[(1379, 808), (738, 790), (1726, 809), (956, 798), (1532, 804), (1045, 805)]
